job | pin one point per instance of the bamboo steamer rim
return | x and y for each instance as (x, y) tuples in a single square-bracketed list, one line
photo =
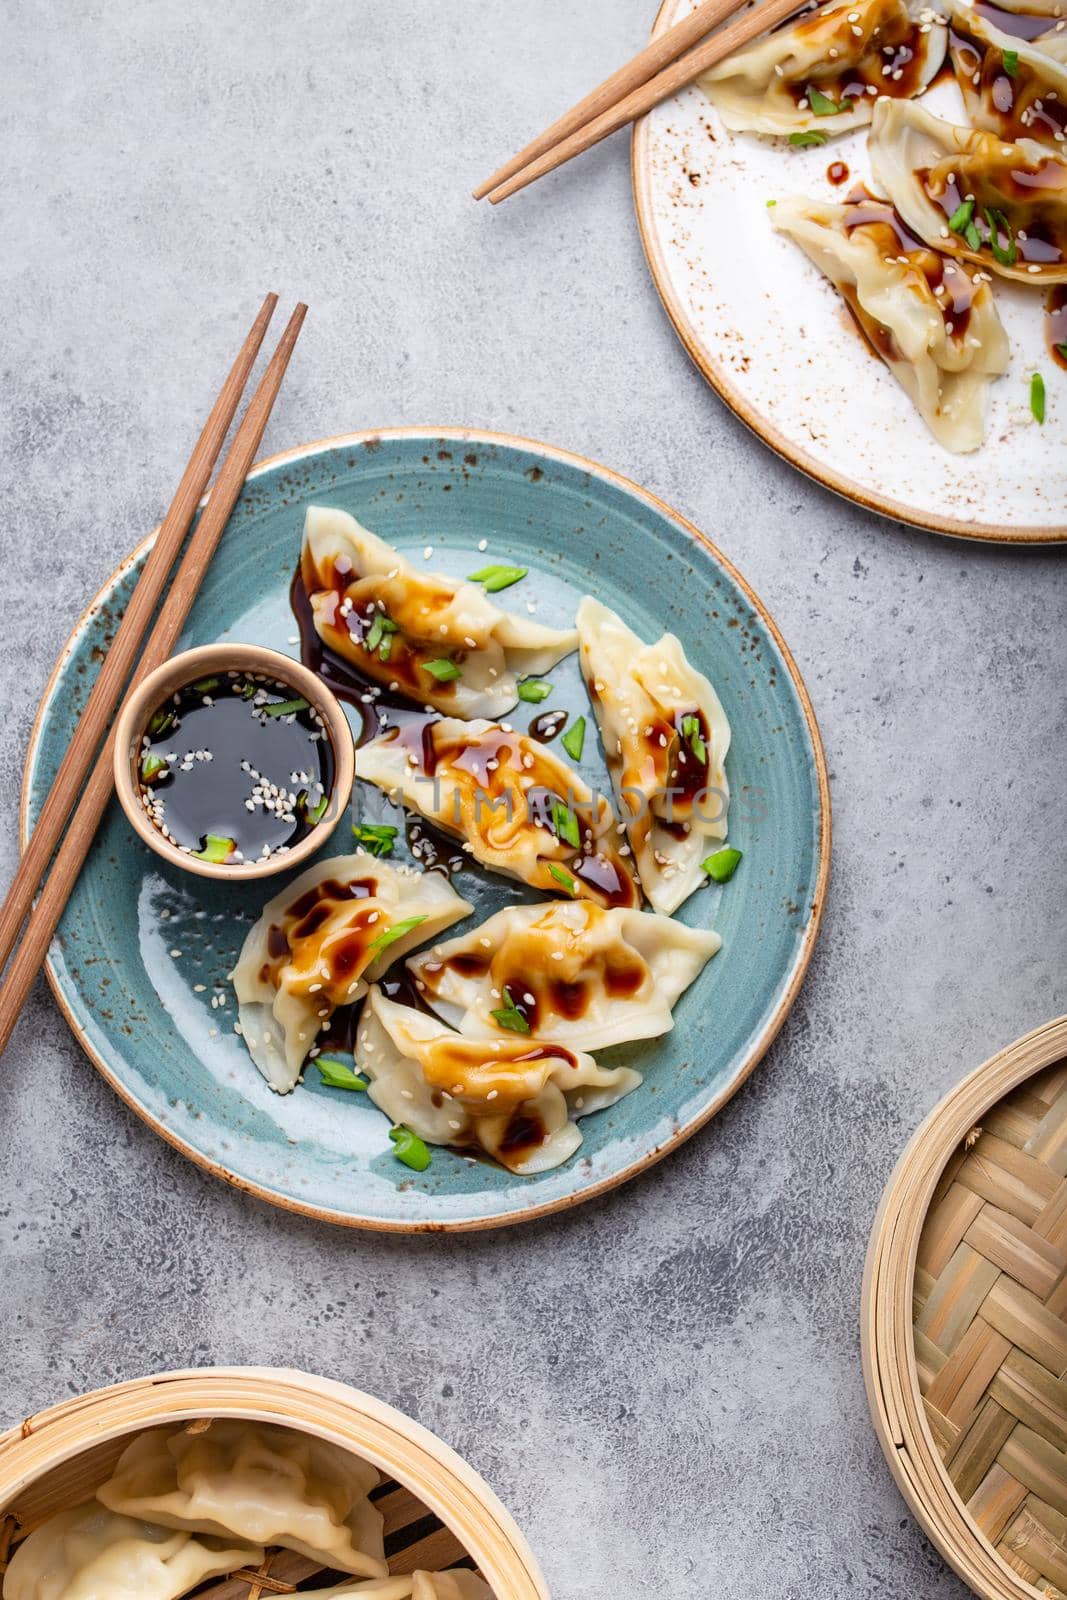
[(888, 1347), (345, 1416)]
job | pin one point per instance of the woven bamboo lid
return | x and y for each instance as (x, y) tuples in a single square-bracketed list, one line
[(438, 1511), (965, 1322)]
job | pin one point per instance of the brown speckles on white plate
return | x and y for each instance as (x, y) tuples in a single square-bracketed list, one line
[(769, 333)]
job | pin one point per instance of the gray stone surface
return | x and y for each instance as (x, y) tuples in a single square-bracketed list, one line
[(665, 1386)]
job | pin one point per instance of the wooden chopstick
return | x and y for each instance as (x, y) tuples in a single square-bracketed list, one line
[(118, 663), (45, 915), (650, 93), (652, 59)]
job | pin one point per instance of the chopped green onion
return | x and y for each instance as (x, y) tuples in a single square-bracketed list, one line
[(534, 689), (1037, 397), (823, 106), (385, 649), (410, 1149), (443, 671), (247, 689), (216, 849), (562, 877), (376, 837), (205, 685), (804, 141), (972, 236), (565, 826), (691, 731), (151, 767), (162, 721), (397, 931), (1061, 351), (772, 203), (1011, 63), (509, 1015), (318, 810), (574, 739), (959, 219), (285, 708), (1006, 255), (497, 578), (722, 865), (378, 633), (337, 1074)]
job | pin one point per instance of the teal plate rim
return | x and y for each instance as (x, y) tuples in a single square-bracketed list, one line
[(760, 1042)]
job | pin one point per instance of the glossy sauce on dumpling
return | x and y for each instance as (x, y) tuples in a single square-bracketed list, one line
[(324, 939), (503, 785), (1019, 199), (883, 47), (946, 284), (1007, 90)]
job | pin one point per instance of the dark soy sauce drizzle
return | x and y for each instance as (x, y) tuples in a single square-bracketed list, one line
[(1020, 24), (208, 796), (378, 707), (1056, 323), (1012, 95), (837, 172), (547, 725)]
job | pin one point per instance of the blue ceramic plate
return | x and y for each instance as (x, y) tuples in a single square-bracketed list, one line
[(143, 951)]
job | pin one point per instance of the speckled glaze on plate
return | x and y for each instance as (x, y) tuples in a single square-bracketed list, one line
[(143, 949), (774, 338)]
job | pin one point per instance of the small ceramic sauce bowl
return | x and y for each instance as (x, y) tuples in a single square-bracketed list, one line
[(238, 750)]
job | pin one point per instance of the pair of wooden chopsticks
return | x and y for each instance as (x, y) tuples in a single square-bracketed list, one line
[(78, 779), (658, 71)]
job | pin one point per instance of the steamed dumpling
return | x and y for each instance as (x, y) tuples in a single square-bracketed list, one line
[(390, 619), (513, 1097), (1028, 101), (518, 808), (935, 327), (90, 1553), (572, 971), (1045, 20), (665, 738), (823, 71), (973, 195), (457, 1584), (255, 1481), (319, 943)]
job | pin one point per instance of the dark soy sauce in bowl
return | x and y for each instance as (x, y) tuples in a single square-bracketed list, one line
[(235, 767)]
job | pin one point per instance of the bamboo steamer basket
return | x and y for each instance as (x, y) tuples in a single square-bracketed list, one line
[(964, 1322), (438, 1512)]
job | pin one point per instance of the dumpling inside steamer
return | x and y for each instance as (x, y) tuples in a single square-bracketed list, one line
[(512, 1097), (972, 195), (92, 1553), (518, 808), (257, 1482), (932, 320), (318, 944), (1011, 86), (822, 72), (665, 738), (437, 640), (566, 971)]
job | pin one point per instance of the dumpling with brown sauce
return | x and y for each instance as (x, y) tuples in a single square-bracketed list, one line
[(932, 320), (821, 72), (570, 971), (320, 941), (1011, 86), (517, 807), (439, 641), (973, 195), (514, 1098)]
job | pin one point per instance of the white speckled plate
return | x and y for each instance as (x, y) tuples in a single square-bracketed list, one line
[(776, 341)]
